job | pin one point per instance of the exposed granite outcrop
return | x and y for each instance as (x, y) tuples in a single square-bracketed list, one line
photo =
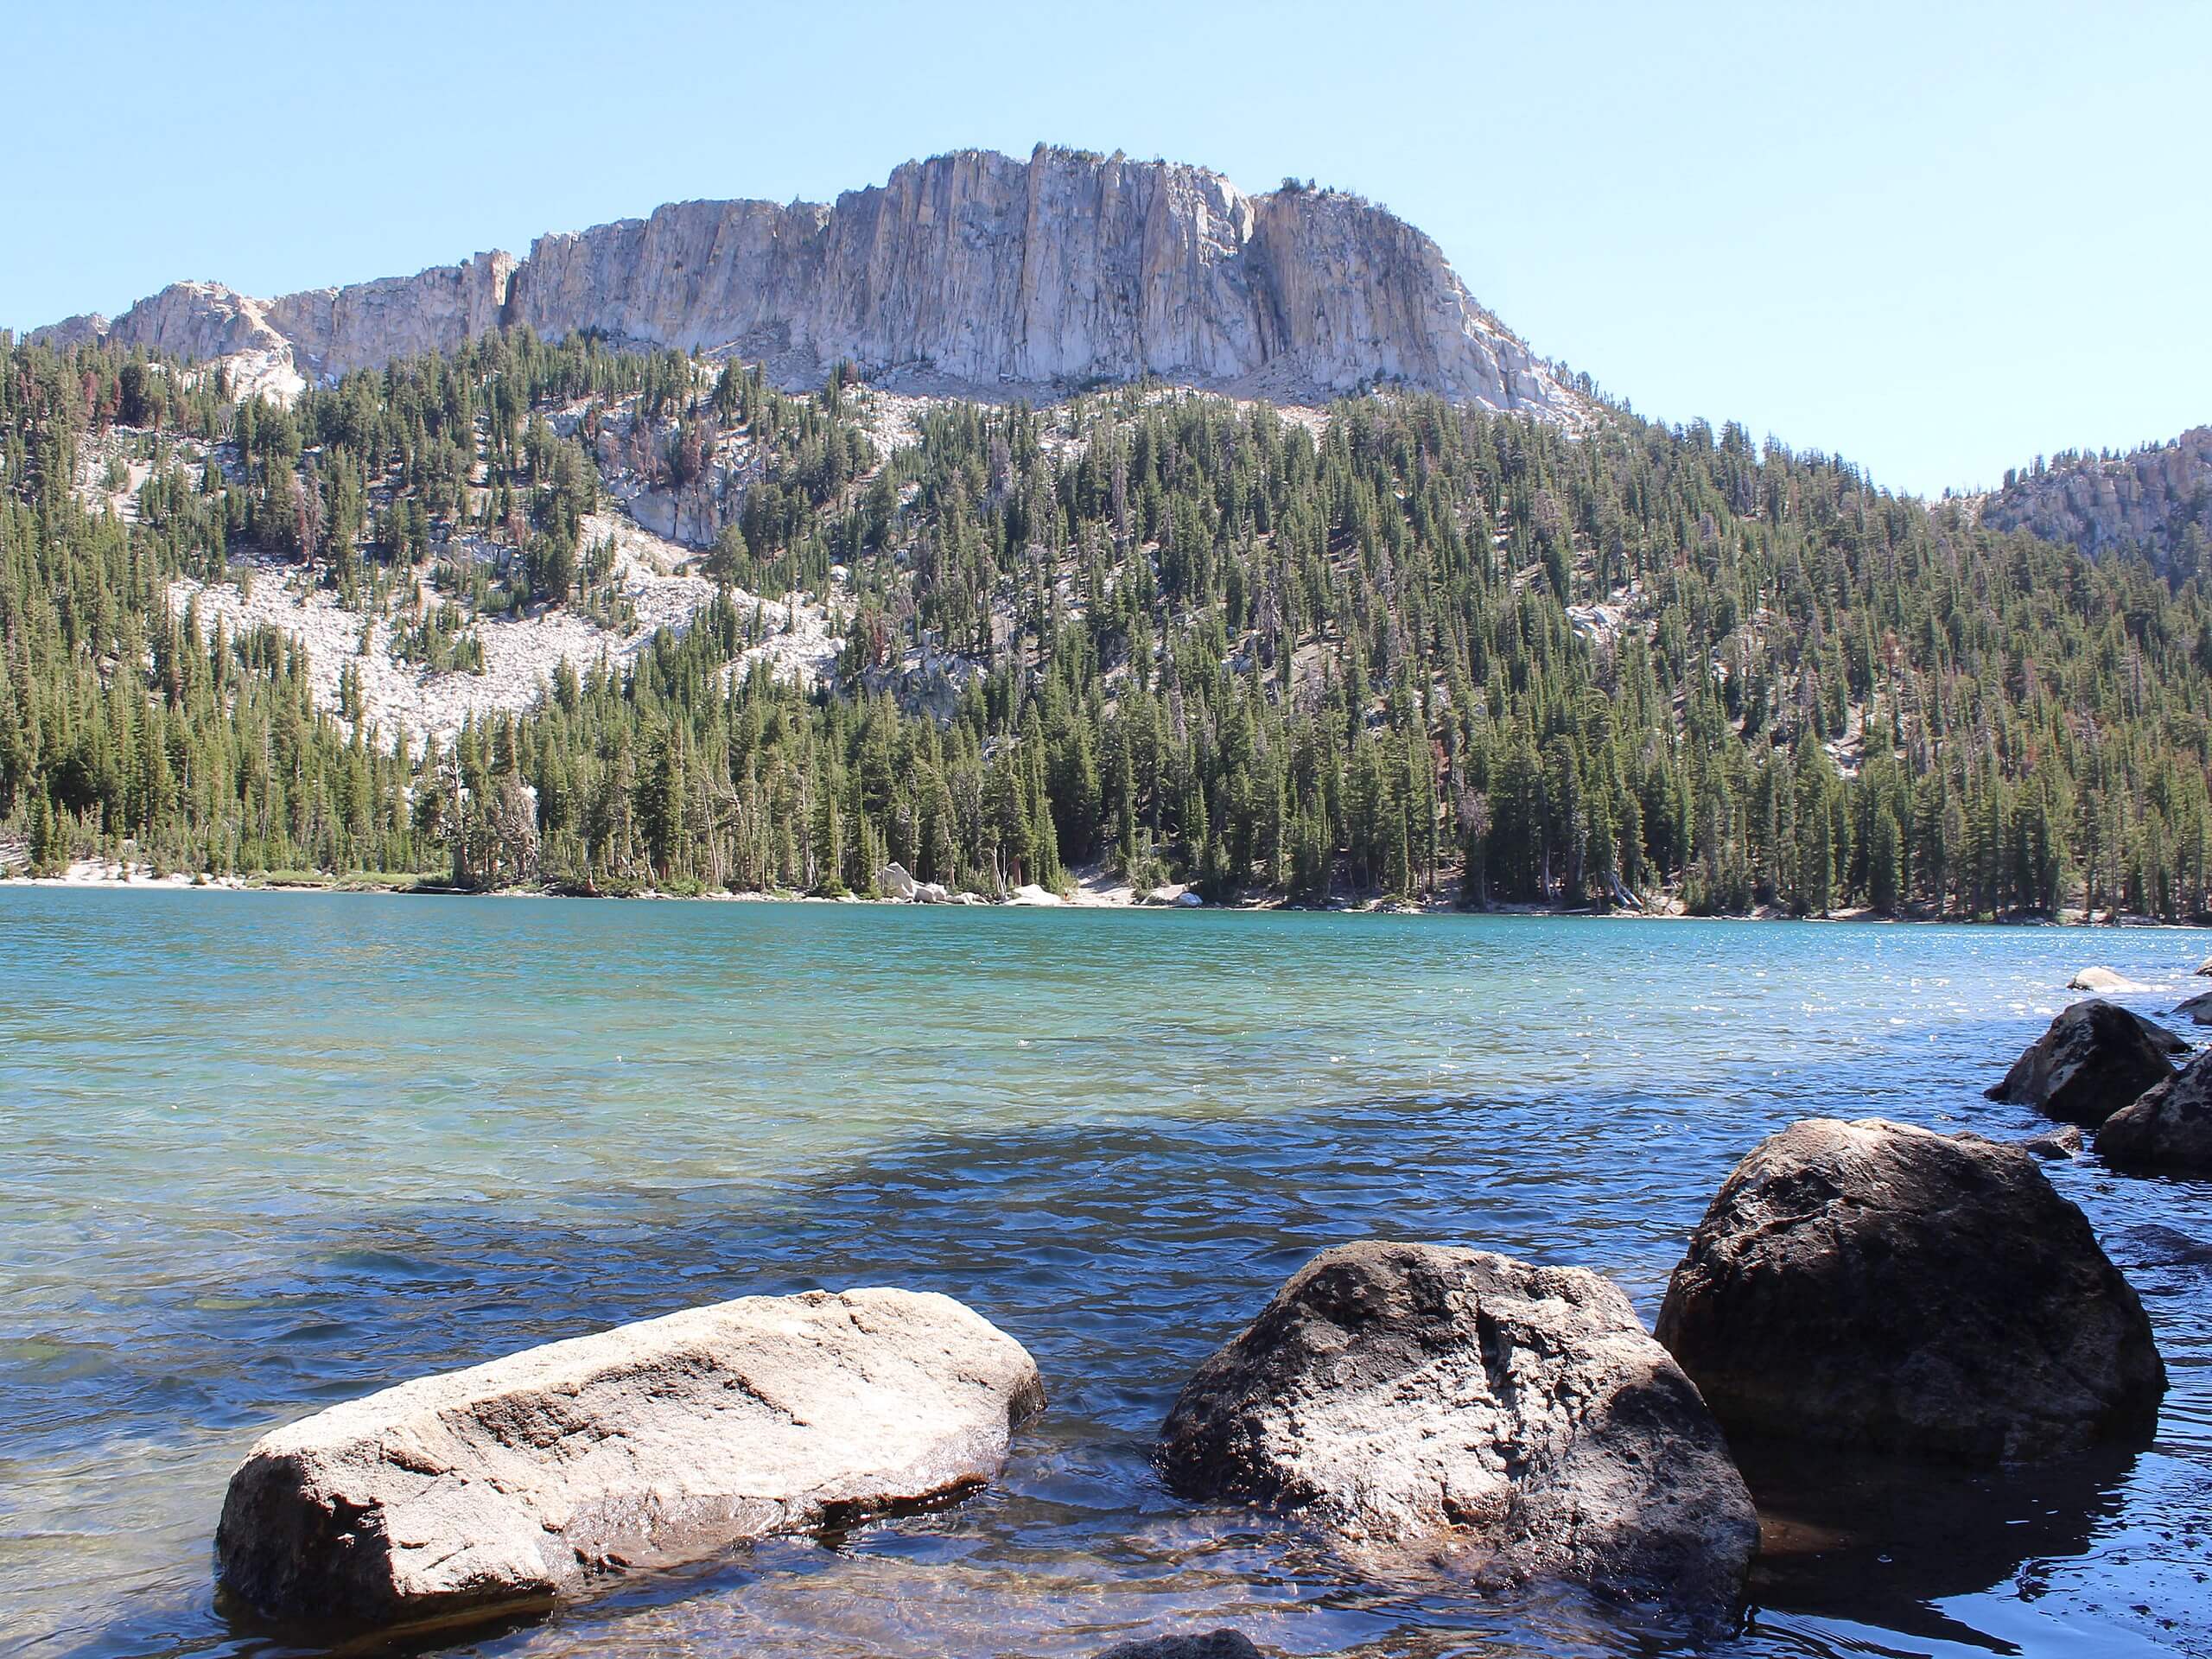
[(972, 273), (2157, 498)]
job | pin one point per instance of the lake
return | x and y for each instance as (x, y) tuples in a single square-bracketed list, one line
[(269, 1151)]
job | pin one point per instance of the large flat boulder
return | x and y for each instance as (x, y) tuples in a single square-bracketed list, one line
[(1474, 1414), (2095, 1058), (2169, 1130), (1886, 1288), (516, 1483)]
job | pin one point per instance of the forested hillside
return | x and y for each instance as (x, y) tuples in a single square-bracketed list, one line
[(1421, 653)]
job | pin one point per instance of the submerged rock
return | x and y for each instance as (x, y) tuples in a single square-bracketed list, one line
[(1213, 1644), (2156, 1246), (1893, 1289), (2169, 1130), (2062, 1142), (1476, 1415), (1880, 1541), (512, 1484), (2095, 1059)]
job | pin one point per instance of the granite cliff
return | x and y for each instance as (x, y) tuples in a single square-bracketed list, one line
[(2157, 498), (967, 274)]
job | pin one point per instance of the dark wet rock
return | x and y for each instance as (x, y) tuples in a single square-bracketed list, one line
[(1454, 1411), (2198, 1008), (1214, 1644), (2169, 1130), (1886, 1288), (513, 1484), (2064, 1141), (2095, 1059)]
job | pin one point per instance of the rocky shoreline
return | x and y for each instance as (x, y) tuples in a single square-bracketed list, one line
[(1089, 892), (1433, 1414)]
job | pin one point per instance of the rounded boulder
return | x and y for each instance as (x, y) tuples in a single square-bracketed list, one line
[(2169, 1130), (1888, 1288), (2095, 1059), (1472, 1415)]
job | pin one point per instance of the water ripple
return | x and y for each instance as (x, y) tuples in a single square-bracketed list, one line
[(267, 1152)]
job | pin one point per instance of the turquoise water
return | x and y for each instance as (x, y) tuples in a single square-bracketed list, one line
[(265, 1152)]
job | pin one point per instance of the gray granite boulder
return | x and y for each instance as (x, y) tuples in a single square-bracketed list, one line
[(1466, 1414), (2197, 1007), (2095, 1058), (1891, 1289), (2169, 1130), (511, 1484)]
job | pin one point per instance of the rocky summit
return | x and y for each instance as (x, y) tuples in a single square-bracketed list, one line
[(967, 274)]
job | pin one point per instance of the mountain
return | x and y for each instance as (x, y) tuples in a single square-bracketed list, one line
[(2159, 499), (561, 606), (970, 274)]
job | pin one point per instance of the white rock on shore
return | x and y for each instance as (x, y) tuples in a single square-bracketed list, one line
[(893, 882), (513, 1484)]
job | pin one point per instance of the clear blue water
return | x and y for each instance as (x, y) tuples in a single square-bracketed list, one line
[(265, 1152)]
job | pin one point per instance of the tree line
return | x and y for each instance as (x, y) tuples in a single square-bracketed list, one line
[(1424, 652)]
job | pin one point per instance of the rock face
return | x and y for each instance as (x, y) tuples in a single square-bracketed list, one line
[(1492, 1418), (968, 273), (1893, 1289), (511, 1483), (2157, 498), (2095, 1059), (2169, 1130)]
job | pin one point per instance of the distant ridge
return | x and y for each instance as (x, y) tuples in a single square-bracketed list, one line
[(967, 274)]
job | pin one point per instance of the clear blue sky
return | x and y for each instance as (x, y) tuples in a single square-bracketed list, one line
[(1936, 239)]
